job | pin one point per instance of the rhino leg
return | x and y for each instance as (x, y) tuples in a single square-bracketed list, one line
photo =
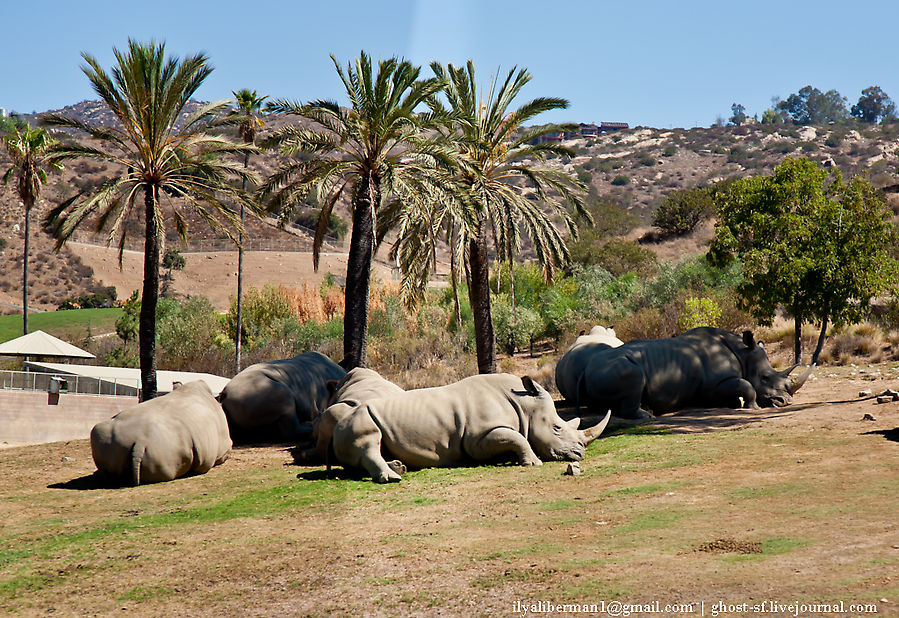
[(728, 393), (357, 443), (502, 441)]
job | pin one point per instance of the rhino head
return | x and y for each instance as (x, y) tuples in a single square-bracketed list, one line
[(772, 387), (551, 437)]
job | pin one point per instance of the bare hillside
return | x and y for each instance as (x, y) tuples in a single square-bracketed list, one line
[(636, 167)]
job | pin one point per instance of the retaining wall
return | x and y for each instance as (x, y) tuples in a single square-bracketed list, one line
[(29, 418)]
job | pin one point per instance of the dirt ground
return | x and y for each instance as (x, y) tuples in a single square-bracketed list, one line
[(214, 275), (703, 511)]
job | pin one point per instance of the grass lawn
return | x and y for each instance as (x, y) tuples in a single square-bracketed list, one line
[(71, 325)]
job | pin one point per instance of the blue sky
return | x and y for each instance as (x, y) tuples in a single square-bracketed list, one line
[(653, 63)]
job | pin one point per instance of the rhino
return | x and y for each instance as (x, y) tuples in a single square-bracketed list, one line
[(571, 366), (275, 401), (479, 418), (704, 367), (181, 433), (358, 386)]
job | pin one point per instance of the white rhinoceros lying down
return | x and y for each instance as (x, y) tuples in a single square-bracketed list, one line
[(272, 401), (570, 367), (183, 432), (357, 387), (480, 418)]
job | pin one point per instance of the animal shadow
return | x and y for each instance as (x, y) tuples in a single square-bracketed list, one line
[(89, 482), (890, 434)]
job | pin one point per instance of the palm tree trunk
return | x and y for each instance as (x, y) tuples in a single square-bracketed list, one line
[(25, 252), (358, 274), (479, 297), (237, 340), (454, 278), (149, 299)]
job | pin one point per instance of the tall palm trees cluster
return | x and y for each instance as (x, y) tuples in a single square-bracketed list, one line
[(432, 158)]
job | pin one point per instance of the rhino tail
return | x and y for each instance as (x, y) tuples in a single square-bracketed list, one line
[(137, 456)]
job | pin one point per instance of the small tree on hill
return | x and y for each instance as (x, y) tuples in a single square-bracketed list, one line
[(681, 211), (821, 250), (874, 105)]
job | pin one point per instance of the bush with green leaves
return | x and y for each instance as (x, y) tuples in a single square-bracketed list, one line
[(514, 330), (699, 312), (187, 334), (620, 180), (681, 211), (261, 312), (619, 256)]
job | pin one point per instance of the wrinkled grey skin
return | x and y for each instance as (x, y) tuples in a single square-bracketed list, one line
[(357, 387), (704, 367), (276, 401), (480, 418), (571, 366), (183, 432)]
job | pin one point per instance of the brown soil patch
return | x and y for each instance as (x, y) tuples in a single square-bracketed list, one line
[(730, 546)]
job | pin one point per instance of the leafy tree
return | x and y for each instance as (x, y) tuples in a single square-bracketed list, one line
[(873, 106), (377, 149), (158, 157), (610, 218), (249, 109), (171, 260), (497, 155), (681, 211), (28, 150), (738, 115), (821, 250), (811, 106)]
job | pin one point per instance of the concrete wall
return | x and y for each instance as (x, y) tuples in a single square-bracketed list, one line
[(28, 418)]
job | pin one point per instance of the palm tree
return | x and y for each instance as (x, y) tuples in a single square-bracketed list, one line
[(27, 148), (498, 155), (376, 150), (158, 156), (249, 107)]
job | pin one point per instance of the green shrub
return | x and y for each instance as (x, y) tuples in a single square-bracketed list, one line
[(681, 211), (620, 256), (261, 312), (514, 332), (620, 180), (645, 159), (670, 151), (699, 312)]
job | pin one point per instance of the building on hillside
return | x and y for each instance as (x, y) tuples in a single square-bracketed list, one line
[(606, 127)]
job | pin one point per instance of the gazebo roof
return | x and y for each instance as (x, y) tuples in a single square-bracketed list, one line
[(40, 343)]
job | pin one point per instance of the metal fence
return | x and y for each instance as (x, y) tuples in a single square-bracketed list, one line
[(65, 383)]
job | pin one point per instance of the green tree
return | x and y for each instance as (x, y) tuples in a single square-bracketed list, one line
[(681, 211), (497, 157), (811, 106), (873, 106), (377, 149), (738, 115), (249, 109), (819, 249), (28, 150), (158, 157)]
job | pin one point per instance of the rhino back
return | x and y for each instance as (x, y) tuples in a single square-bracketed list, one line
[(679, 370), (431, 426), (571, 366)]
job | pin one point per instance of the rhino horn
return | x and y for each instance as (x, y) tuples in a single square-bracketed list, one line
[(591, 433), (574, 423), (797, 383), (786, 372)]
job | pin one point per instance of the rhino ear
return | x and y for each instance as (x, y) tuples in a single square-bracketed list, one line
[(331, 385), (574, 423), (748, 339), (529, 385)]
